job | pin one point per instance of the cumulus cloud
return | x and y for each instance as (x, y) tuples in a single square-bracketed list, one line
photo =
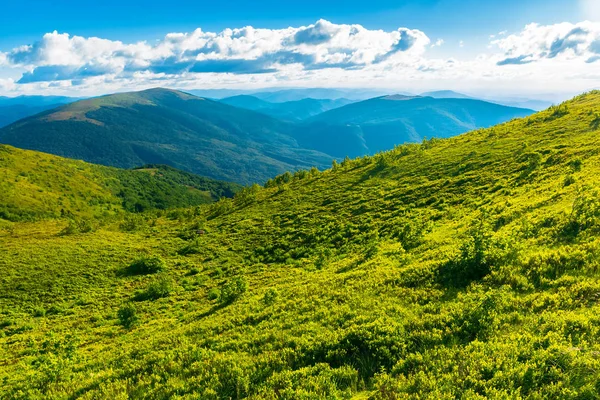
[(59, 56), (549, 57), (564, 41)]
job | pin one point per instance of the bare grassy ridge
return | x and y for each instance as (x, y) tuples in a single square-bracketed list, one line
[(465, 267)]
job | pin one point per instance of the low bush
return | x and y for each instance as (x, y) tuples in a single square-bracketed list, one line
[(158, 289), (127, 316), (146, 265), (232, 290)]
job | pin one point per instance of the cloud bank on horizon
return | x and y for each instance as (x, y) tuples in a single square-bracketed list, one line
[(549, 57)]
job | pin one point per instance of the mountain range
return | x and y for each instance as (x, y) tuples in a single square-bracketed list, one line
[(237, 144), (381, 123), (160, 126)]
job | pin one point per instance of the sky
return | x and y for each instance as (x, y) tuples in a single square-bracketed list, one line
[(525, 48)]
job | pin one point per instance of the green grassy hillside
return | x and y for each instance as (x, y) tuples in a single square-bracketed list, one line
[(34, 185), (458, 268), (161, 126)]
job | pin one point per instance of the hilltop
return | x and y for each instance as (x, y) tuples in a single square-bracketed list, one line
[(35, 185), (160, 126), (463, 267)]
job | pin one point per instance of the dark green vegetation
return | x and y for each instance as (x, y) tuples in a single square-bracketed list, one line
[(288, 111), (457, 268), (379, 124), (160, 126), (36, 185)]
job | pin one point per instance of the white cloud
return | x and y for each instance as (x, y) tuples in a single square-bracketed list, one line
[(438, 43), (58, 56), (564, 41), (552, 58)]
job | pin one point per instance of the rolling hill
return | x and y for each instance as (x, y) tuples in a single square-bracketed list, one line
[(161, 126), (35, 185), (455, 268), (293, 111), (379, 124)]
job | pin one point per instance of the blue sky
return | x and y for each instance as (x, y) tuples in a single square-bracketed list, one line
[(455, 31), (143, 20)]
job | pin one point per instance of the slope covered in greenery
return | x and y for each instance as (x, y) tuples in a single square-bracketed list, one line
[(161, 126), (458, 268), (35, 185), (378, 124)]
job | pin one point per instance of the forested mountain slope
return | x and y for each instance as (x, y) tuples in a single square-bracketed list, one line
[(457, 268)]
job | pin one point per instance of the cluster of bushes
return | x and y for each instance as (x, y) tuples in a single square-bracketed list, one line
[(146, 265), (77, 225), (584, 215), (159, 288)]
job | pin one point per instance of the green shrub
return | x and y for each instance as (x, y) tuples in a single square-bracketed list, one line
[(232, 290), (270, 297), (474, 261), (190, 248), (39, 312), (127, 316), (75, 226), (132, 223), (213, 294), (146, 265), (319, 381), (585, 214), (158, 289), (221, 207), (247, 195), (569, 180)]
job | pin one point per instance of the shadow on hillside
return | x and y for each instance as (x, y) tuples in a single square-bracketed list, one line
[(212, 310)]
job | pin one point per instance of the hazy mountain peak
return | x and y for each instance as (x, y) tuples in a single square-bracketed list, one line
[(446, 94), (398, 97)]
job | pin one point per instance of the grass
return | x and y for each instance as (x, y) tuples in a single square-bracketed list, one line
[(455, 268)]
